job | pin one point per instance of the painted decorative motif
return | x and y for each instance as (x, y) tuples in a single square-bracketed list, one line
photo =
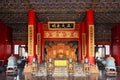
[(30, 40), (91, 40), (61, 34)]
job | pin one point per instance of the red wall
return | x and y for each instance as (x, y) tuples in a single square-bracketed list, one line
[(5, 42), (115, 45)]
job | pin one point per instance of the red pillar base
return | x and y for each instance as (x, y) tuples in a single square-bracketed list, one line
[(30, 59), (91, 60)]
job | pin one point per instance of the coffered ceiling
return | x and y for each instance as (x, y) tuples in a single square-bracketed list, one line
[(14, 12)]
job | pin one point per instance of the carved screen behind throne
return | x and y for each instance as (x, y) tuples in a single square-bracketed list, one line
[(61, 51)]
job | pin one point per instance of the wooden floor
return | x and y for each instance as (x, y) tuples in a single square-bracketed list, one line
[(28, 76)]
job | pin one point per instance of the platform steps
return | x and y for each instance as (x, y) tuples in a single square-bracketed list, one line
[(42, 70), (78, 70), (60, 71)]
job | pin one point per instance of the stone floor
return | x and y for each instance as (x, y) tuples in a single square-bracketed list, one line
[(28, 76)]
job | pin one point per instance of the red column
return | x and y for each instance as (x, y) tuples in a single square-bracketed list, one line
[(83, 41), (90, 36), (31, 35), (42, 41), (40, 31), (80, 44)]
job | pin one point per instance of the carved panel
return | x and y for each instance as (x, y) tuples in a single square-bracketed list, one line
[(61, 34)]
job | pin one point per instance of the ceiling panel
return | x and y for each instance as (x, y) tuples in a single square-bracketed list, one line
[(15, 11)]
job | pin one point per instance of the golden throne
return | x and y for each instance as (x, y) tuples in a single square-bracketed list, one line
[(60, 53)]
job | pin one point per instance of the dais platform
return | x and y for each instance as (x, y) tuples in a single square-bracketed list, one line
[(62, 71)]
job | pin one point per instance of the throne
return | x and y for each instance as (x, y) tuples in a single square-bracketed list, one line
[(60, 53)]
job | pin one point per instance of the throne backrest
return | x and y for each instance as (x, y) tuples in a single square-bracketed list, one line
[(61, 50)]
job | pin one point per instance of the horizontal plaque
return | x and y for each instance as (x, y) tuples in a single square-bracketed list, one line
[(61, 25)]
